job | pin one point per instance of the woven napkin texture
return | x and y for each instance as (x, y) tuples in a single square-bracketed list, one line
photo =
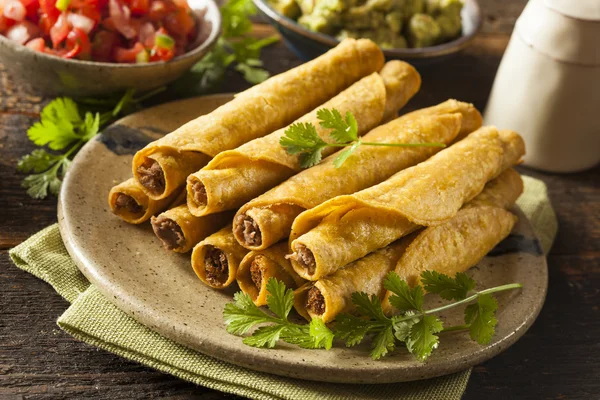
[(94, 320)]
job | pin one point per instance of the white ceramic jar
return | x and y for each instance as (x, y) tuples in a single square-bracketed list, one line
[(548, 85)]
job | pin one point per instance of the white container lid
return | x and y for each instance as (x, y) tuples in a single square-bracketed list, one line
[(565, 30)]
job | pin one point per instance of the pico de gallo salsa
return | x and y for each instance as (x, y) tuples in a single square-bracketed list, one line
[(121, 31)]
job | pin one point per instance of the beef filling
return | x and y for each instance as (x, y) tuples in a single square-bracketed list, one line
[(248, 229), (216, 266), (256, 272), (169, 232), (151, 176), (315, 301), (128, 203), (199, 191), (306, 258)]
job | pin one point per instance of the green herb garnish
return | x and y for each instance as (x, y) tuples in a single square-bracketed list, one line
[(64, 128), (415, 327), (302, 138), (242, 315)]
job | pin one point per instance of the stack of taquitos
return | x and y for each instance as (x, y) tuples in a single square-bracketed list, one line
[(267, 219), (163, 166), (349, 227), (368, 99), (236, 176), (448, 248)]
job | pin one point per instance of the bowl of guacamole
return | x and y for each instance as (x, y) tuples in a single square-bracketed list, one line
[(405, 29)]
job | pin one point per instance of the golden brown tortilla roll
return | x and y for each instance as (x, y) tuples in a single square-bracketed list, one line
[(444, 251), (179, 230), (349, 227), (268, 218), (332, 295), (128, 201), (236, 176), (259, 266), (216, 259), (163, 165)]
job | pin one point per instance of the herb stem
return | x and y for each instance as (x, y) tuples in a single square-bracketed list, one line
[(456, 328), (150, 94), (469, 299)]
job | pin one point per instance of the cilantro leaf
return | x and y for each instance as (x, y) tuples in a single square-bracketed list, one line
[(402, 327), (39, 160), (343, 156), (482, 318), (252, 74), (344, 131), (422, 339), (322, 335), (383, 343), (370, 307), (91, 126), (243, 314), (57, 125), (302, 138), (447, 288), (265, 336), (404, 298), (352, 329), (279, 299)]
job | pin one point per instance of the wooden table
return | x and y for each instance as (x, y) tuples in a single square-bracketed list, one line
[(559, 358)]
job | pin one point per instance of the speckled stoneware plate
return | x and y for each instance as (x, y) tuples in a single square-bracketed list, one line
[(159, 289)]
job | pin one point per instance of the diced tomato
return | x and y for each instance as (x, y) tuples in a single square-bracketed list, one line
[(103, 45), (159, 9), (139, 7), (32, 7), (37, 44), (179, 23), (78, 45), (59, 31), (14, 10), (48, 7), (124, 55)]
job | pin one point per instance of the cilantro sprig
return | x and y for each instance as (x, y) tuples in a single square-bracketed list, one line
[(302, 138), (233, 48), (63, 128), (413, 326), (242, 315)]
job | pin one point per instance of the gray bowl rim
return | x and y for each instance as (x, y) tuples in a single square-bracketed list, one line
[(424, 52), (195, 52)]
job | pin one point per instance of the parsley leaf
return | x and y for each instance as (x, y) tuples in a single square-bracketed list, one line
[(383, 343), (447, 288), (404, 298), (58, 124), (243, 314), (422, 339), (265, 336), (482, 318), (322, 335), (352, 329), (279, 299), (344, 131), (39, 160), (302, 138), (369, 306)]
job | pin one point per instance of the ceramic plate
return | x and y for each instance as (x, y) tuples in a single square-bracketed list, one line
[(159, 289)]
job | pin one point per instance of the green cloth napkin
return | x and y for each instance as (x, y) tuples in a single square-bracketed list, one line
[(94, 320)]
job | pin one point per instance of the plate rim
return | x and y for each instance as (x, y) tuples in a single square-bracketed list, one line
[(287, 367)]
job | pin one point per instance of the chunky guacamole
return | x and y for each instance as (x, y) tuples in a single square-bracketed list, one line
[(390, 23)]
